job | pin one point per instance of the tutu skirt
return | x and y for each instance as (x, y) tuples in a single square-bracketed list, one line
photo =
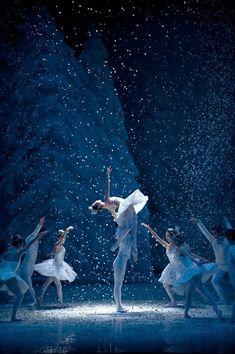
[(170, 274), (61, 271), (137, 199), (204, 271)]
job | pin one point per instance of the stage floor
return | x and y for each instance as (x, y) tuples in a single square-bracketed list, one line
[(87, 325)]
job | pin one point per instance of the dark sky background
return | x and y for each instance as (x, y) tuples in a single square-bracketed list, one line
[(132, 30), (120, 21)]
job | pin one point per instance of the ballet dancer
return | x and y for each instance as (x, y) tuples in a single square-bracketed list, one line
[(220, 247), (10, 281), (27, 267), (124, 212), (174, 268), (56, 269), (230, 234), (196, 273)]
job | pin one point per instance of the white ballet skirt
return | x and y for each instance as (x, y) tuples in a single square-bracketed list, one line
[(8, 271), (173, 270), (191, 269), (137, 199), (56, 267)]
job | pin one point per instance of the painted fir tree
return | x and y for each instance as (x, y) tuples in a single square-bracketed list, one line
[(61, 139)]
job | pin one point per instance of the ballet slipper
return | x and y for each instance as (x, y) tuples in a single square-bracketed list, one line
[(121, 310)]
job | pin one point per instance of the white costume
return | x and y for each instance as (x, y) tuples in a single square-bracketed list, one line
[(231, 271), (56, 267), (27, 266), (126, 219), (191, 269), (220, 248), (173, 270), (231, 264), (10, 280)]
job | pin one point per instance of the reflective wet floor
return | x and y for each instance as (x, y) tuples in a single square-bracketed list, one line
[(92, 326)]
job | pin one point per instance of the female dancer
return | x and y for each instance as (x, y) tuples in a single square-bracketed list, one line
[(230, 234), (10, 281), (56, 269), (126, 233), (220, 247), (173, 270), (196, 273), (27, 266)]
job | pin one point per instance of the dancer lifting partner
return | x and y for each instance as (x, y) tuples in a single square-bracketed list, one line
[(124, 212)]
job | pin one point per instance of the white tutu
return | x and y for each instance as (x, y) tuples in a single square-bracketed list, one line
[(137, 199), (191, 270), (9, 280), (173, 270), (56, 267), (169, 274)]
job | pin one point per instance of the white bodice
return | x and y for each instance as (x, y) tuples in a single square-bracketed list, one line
[(59, 256), (173, 255)]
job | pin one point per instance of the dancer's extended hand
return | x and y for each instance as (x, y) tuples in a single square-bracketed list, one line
[(145, 225), (42, 233), (109, 170), (193, 220), (42, 221)]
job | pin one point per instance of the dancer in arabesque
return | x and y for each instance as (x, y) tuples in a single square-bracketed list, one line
[(10, 281), (124, 212), (56, 269)]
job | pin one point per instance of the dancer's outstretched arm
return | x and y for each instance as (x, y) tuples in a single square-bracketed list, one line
[(39, 235), (190, 255), (107, 184), (227, 223), (203, 229), (36, 230), (155, 235), (63, 236), (203, 259)]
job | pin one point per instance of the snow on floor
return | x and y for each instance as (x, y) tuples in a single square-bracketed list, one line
[(92, 326)]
